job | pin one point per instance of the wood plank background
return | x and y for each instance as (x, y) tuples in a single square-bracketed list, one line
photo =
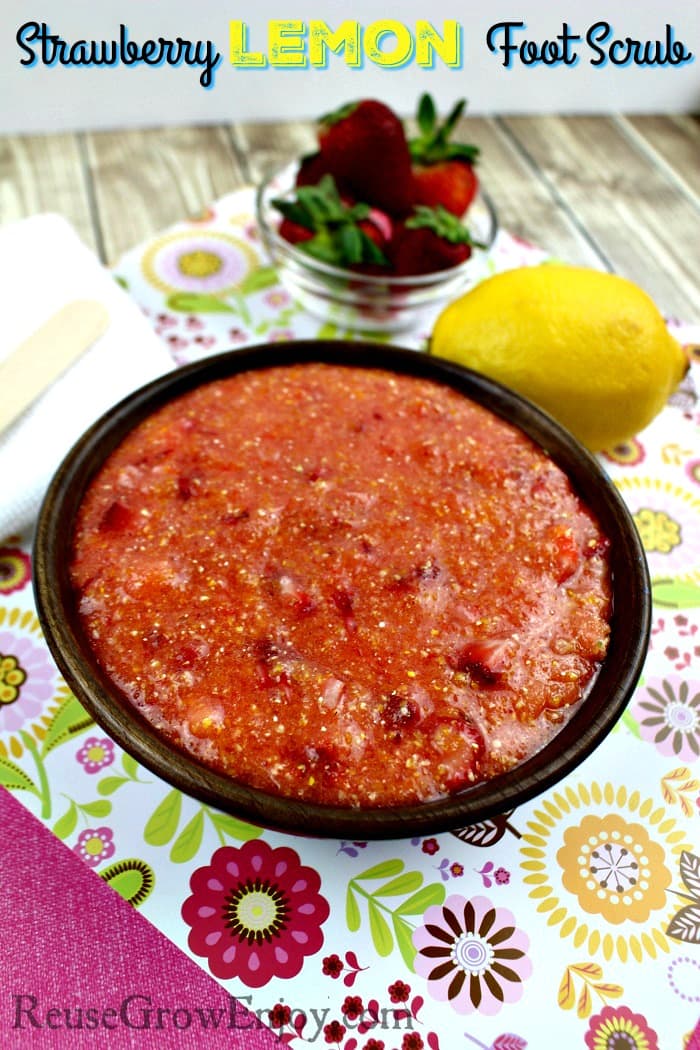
[(618, 192)]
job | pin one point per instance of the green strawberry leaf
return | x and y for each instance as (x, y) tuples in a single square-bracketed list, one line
[(164, 820), (441, 222)]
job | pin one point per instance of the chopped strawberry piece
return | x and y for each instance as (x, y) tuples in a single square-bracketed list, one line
[(458, 767), (117, 518), (483, 659), (563, 551), (398, 713), (344, 602)]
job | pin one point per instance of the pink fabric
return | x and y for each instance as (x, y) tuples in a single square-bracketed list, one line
[(694, 1041), (70, 943)]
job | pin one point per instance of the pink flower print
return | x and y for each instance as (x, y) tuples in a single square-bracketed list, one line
[(95, 754), (472, 955), (668, 713), (277, 298), (27, 680), (95, 845), (617, 1026), (255, 913)]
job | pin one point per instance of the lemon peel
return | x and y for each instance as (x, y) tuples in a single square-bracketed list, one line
[(589, 347)]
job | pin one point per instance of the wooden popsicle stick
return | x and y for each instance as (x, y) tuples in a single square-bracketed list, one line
[(37, 362)]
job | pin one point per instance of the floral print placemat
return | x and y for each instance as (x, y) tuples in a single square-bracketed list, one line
[(573, 921)]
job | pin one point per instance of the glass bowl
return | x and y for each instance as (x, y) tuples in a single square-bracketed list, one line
[(360, 301), (590, 721)]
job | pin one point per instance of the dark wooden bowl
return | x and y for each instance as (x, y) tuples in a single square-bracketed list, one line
[(589, 724)]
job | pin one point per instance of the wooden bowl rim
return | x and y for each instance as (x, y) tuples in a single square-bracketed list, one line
[(593, 719)]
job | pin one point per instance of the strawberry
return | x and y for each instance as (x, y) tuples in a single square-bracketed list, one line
[(431, 239), (346, 235), (485, 659), (365, 148), (443, 171)]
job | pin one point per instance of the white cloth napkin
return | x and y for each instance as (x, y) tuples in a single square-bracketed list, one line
[(43, 266)]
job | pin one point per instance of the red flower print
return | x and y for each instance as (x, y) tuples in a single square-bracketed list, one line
[(332, 966), (280, 1015), (255, 913), (618, 1027), (374, 1044), (412, 1041), (399, 992), (352, 1007), (430, 846), (333, 1032)]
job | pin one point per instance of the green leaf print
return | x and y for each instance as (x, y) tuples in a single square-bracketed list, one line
[(133, 879), (260, 279), (352, 911), (382, 871), (14, 778), (130, 766), (108, 785), (404, 939), (235, 829), (406, 883), (189, 840), (675, 594), (381, 934), (197, 303), (65, 825), (383, 913), (164, 820), (434, 893), (98, 808), (70, 720)]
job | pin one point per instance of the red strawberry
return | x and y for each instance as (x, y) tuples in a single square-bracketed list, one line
[(294, 232), (312, 169), (365, 147), (443, 172), (451, 183), (431, 240)]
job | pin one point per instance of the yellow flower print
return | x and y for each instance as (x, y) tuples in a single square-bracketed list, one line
[(657, 530), (614, 868), (598, 861)]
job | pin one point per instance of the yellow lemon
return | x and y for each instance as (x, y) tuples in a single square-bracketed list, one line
[(590, 348)]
